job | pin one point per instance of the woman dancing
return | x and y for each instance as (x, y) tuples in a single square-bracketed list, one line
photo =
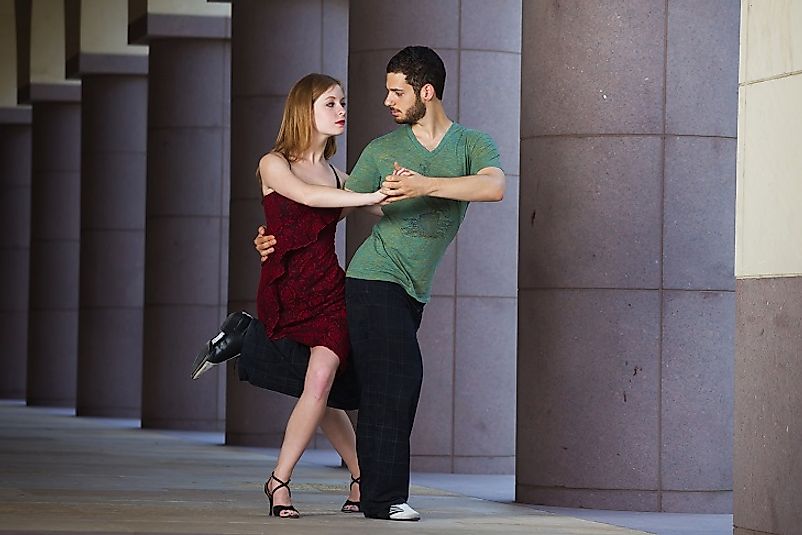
[(301, 288)]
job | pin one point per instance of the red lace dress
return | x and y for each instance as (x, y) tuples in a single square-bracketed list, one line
[(302, 286)]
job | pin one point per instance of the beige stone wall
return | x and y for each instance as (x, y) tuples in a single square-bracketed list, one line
[(186, 7), (104, 28), (766, 456), (768, 218), (8, 54), (47, 42)]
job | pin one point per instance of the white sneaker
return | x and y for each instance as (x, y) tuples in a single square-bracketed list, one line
[(403, 511)]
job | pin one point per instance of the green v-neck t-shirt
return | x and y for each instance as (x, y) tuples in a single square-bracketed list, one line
[(409, 241)]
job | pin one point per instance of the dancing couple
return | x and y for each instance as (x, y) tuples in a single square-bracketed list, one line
[(348, 340)]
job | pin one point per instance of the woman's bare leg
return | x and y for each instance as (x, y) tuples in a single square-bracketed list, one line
[(338, 429), (305, 416)]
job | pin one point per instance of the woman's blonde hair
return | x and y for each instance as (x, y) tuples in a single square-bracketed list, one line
[(295, 135)]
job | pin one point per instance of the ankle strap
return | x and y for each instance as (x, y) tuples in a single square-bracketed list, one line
[(281, 483), (355, 480)]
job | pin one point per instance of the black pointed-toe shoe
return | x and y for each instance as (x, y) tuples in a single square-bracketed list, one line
[(225, 346)]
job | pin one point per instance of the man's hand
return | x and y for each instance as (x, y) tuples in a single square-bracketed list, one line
[(264, 244), (487, 185), (404, 184)]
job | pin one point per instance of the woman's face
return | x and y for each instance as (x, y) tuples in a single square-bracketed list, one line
[(329, 110)]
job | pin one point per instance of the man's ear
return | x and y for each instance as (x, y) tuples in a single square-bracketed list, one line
[(427, 92)]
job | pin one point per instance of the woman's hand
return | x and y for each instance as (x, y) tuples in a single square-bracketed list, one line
[(376, 197)]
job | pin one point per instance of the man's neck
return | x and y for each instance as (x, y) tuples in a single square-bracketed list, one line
[(432, 126)]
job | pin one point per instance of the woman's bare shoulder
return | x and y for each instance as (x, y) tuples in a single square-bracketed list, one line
[(273, 161), (342, 174)]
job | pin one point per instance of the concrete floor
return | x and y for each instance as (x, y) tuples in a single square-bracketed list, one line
[(62, 474)]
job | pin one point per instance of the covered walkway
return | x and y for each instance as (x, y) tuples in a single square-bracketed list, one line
[(63, 474)]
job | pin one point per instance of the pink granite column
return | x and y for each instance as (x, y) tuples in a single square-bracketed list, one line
[(54, 255), (15, 219), (314, 33), (113, 143), (466, 417), (186, 228), (626, 301)]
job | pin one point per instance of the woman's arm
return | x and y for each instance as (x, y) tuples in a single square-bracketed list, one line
[(276, 174), (372, 209)]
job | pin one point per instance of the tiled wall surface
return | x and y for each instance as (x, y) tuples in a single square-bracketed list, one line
[(626, 280), (466, 416)]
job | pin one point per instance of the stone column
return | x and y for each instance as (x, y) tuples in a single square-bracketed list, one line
[(768, 368), (265, 34), (15, 218), (465, 420), (15, 213), (55, 203), (54, 257), (186, 215), (112, 245), (113, 139), (626, 317)]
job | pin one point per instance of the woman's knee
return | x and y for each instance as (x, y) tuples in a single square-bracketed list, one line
[(320, 376)]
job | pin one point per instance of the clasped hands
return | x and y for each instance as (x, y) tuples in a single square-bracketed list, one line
[(404, 184)]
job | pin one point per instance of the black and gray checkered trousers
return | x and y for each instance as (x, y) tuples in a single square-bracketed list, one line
[(383, 322), (280, 366)]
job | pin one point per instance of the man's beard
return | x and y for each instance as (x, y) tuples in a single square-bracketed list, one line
[(414, 114)]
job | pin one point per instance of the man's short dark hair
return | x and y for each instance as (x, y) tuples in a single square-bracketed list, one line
[(421, 65)]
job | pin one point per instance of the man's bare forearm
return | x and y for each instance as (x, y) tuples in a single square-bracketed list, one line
[(487, 187), (374, 209)]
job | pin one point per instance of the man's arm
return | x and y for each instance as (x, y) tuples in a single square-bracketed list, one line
[(373, 209), (486, 185)]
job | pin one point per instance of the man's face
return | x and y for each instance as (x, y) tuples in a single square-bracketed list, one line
[(405, 105)]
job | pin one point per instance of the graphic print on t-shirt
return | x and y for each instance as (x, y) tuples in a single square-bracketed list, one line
[(433, 225)]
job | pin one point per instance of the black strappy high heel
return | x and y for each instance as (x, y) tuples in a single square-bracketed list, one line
[(276, 510), (351, 506)]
